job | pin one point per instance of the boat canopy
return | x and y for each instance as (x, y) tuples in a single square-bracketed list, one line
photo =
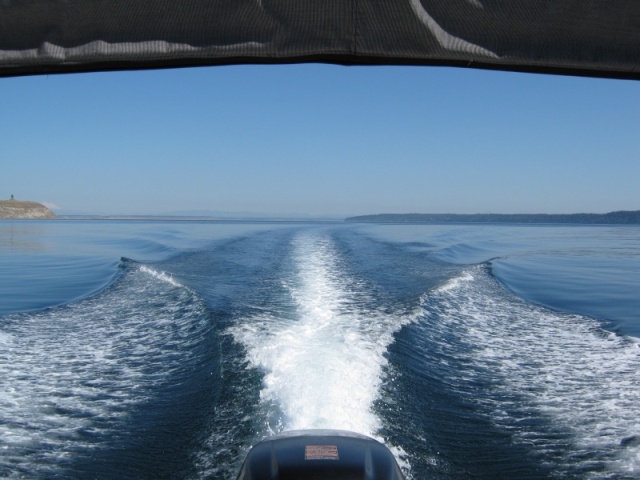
[(574, 37)]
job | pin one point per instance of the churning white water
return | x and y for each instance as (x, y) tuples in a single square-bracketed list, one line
[(323, 361)]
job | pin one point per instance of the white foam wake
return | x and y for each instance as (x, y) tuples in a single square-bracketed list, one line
[(549, 372), (324, 362), (69, 376), (160, 275)]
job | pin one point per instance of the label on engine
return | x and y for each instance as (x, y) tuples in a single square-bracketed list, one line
[(321, 452)]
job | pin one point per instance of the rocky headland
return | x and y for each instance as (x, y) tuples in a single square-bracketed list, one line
[(23, 209)]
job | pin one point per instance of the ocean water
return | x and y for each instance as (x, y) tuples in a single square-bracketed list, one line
[(143, 349)]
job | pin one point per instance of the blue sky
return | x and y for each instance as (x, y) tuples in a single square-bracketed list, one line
[(320, 140)]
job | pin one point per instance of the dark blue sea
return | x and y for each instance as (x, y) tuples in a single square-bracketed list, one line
[(164, 350)]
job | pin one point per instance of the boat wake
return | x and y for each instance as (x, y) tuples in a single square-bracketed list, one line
[(558, 383), (323, 351), (74, 376)]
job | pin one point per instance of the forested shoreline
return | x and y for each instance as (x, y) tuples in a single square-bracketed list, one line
[(619, 217)]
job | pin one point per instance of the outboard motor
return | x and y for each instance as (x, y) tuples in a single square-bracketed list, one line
[(320, 455)]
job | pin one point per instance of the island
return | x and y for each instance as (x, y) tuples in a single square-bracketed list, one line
[(20, 209), (612, 218)]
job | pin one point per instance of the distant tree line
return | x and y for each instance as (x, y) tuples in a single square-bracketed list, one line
[(620, 217)]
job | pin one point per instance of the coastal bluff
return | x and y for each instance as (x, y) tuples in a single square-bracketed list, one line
[(19, 209)]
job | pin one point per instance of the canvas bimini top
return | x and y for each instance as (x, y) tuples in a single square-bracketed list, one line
[(576, 37)]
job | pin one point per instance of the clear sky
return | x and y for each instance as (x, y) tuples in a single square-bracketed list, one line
[(320, 140)]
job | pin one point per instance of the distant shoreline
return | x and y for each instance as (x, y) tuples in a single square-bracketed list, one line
[(187, 218), (612, 218)]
